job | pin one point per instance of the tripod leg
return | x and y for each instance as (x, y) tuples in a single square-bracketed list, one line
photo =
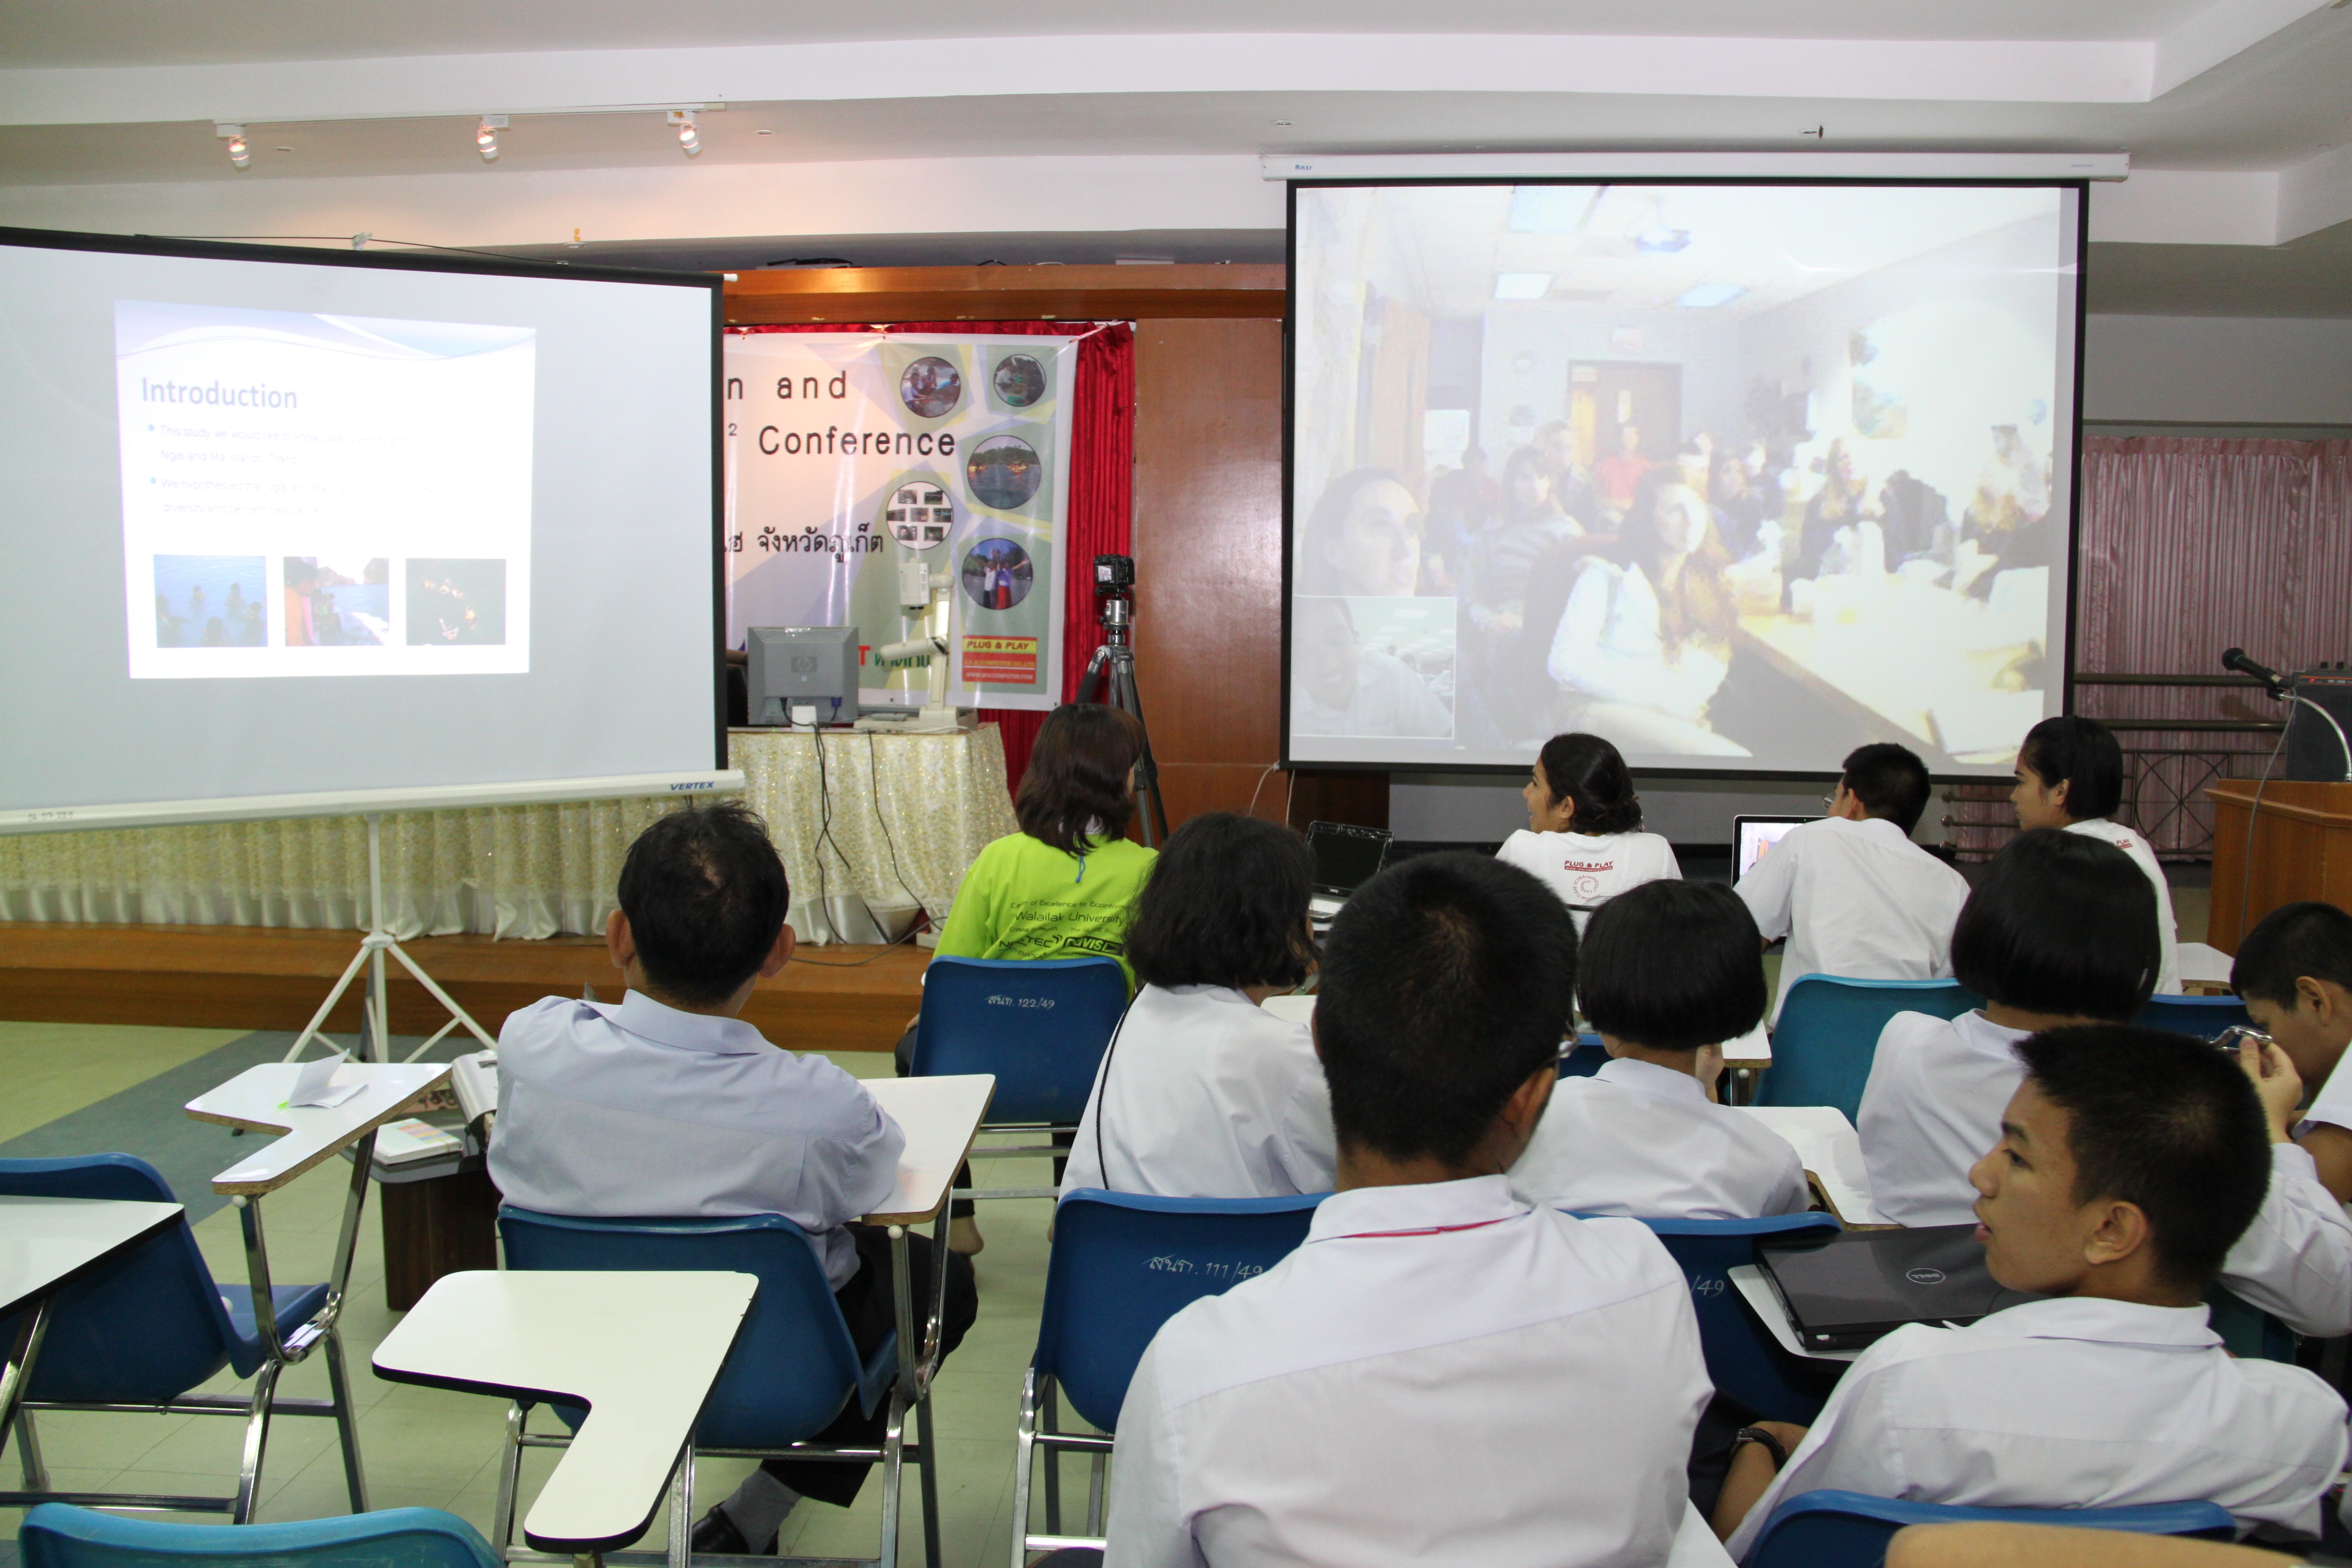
[(1126, 695), (1093, 679)]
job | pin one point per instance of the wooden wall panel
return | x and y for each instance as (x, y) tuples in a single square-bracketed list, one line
[(1208, 557)]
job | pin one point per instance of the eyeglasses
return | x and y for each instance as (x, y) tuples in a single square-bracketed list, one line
[(2237, 1035)]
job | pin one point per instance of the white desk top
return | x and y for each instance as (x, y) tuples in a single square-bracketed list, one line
[(256, 1099), (2200, 961), (939, 1117), (640, 1351), (1831, 1151), (44, 1242), (1758, 1292)]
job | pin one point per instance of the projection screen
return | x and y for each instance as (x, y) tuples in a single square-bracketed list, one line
[(292, 531), (1740, 475)]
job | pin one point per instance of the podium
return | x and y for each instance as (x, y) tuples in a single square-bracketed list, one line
[(2300, 848)]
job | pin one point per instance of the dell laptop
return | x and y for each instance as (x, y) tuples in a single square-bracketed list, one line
[(1346, 857), (1859, 1286), (1753, 835)]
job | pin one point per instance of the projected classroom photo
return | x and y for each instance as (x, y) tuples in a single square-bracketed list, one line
[(210, 601), (456, 603), (335, 600), (1739, 476)]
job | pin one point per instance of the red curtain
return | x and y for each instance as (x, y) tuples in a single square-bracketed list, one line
[(1102, 485)]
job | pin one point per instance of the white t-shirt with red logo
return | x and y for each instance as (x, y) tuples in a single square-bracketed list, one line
[(1588, 869)]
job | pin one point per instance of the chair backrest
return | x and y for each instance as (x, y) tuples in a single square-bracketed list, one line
[(1584, 1057), (1040, 1026), (55, 1535), (2247, 1332), (1742, 1357), (1124, 1264), (794, 1366), (148, 1326), (2203, 1016), (1848, 1530), (1828, 1034)]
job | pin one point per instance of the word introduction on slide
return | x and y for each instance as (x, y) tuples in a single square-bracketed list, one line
[(309, 494)]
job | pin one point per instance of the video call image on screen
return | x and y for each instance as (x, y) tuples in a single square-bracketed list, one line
[(1739, 476), (322, 494)]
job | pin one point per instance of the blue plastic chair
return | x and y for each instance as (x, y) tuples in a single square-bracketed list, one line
[(1122, 1265), (1040, 1026), (150, 1327), (1848, 1530), (2203, 1016), (1584, 1057), (1743, 1359), (57, 1536), (793, 1368), (1828, 1034)]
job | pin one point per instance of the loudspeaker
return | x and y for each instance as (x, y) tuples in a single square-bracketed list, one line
[(2312, 749)]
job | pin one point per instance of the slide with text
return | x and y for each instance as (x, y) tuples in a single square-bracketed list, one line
[(308, 494)]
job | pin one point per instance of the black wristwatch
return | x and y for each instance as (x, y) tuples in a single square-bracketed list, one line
[(1771, 1446)]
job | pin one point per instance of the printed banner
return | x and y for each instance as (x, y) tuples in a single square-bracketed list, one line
[(852, 455)]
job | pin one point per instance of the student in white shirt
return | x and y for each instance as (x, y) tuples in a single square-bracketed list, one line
[(1853, 894), (1204, 1093), (1667, 972), (2293, 972), (2062, 928), (2128, 1162), (1444, 1373), (2070, 775), (1583, 836), (666, 1103)]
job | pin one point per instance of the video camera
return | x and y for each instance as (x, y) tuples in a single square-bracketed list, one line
[(1114, 575)]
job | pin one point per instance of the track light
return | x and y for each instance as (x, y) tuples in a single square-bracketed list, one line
[(689, 140), (486, 136), (240, 155)]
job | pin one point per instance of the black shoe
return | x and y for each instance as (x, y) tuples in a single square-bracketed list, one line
[(714, 1532)]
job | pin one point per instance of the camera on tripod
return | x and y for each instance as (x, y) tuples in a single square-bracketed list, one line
[(1114, 575)]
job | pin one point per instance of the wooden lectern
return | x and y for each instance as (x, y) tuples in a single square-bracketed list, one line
[(2302, 848)]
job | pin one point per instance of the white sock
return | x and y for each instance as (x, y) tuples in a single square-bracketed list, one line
[(759, 1508)]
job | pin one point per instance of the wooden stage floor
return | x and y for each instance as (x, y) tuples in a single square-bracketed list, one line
[(249, 977)]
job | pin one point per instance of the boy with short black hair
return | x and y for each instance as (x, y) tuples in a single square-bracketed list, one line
[(2130, 1160), (1444, 1372), (1669, 970), (2293, 972), (1854, 895)]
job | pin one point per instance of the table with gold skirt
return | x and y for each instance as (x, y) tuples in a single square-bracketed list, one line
[(898, 819)]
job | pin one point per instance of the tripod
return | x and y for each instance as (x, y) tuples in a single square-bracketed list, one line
[(1111, 672)]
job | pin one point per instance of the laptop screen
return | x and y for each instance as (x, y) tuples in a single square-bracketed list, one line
[(1346, 857), (1755, 835)]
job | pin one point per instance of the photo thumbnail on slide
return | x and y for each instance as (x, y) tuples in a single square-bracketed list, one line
[(1372, 666), (1739, 476), (314, 469)]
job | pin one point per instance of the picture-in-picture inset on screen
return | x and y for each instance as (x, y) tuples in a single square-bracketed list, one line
[(210, 601), (457, 603), (1739, 475), (1365, 667), (338, 601)]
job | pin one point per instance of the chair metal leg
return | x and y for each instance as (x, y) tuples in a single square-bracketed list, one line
[(347, 1423), (1025, 1456), (926, 1473), (894, 1444), (17, 1371), (1095, 1493), (28, 1453), (256, 1441), (1052, 1460), (509, 1478), (681, 1510)]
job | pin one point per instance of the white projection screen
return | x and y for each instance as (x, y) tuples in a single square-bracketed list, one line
[(1738, 474), (293, 531)]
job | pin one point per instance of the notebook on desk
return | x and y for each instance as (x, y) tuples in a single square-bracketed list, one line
[(1346, 857), (1853, 1288)]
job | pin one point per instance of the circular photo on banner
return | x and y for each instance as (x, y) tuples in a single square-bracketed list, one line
[(997, 574), (1020, 380), (1005, 471), (931, 386), (920, 513)]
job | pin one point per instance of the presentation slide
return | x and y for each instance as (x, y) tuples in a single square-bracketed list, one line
[(314, 495), (1741, 476), (291, 523)]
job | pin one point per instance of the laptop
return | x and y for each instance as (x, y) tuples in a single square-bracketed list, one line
[(1346, 857), (1752, 836), (1855, 1288)]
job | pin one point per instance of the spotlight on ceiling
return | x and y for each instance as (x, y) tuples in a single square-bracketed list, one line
[(240, 155), (486, 136), (689, 140)]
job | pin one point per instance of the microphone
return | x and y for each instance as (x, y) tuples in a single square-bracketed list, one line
[(2235, 659)]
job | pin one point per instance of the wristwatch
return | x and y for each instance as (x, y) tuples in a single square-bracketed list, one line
[(1771, 1446)]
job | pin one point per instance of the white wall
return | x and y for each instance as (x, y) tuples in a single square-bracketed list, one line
[(2216, 370)]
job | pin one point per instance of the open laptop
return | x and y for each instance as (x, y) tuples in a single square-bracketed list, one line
[(1752, 836), (1853, 1288), (1346, 857)]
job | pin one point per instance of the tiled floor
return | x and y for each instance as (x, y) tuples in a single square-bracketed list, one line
[(434, 1448)]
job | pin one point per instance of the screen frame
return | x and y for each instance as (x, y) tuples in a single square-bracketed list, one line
[(2073, 446), (479, 263)]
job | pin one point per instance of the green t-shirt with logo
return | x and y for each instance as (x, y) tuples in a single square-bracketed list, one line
[(1024, 899)]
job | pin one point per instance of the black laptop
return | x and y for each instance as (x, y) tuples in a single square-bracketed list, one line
[(1346, 857), (1855, 1288)]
